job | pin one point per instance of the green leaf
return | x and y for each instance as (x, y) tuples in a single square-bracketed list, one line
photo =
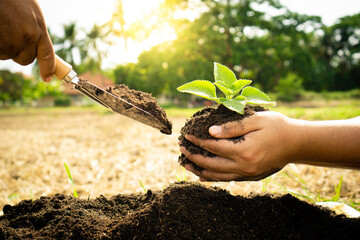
[(235, 104), (256, 97), (240, 98), (224, 74), (228, 93), (68, 171), (238, 85), (202, 88), (70, 178)]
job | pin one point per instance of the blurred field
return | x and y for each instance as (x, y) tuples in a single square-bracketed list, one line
[(108, 154)]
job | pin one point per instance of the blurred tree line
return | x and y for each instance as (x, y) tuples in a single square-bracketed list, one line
[(261, 40), (16, 87), (286, 53)]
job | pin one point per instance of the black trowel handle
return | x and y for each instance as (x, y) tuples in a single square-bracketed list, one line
[(63, 70)]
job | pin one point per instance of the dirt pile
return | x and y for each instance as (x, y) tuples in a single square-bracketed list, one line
[(181, 211), (144, 101)]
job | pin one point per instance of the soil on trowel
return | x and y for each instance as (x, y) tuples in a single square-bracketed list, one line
[(199, 124), (181, 211), (144, 101)]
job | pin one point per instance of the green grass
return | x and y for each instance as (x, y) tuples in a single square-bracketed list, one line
[(307, 194), (70, 178), (335, 95), (31, 194), (142, 185), (339, 110), (181, 175), (321, 113)]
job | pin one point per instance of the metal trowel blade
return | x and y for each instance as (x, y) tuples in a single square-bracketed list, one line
[(120, 106)]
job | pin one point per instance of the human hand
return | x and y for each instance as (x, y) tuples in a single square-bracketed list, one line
[(270, 143), (24, 36)]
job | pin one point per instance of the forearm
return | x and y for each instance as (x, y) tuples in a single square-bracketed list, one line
[(333, 143)]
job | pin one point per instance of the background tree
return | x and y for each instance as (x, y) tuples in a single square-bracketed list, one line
[(341, 44), (67, 45), (81, 48), (15, 87), (11, 86), (236, 33)]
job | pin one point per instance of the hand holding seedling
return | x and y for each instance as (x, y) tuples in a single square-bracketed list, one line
[(273, 140), (270, 140), (264, 151), (24, 36)]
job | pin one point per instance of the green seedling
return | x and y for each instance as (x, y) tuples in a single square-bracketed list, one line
[(13, 196), (142, 185), (70, 178), (31, 195), (336, 197), (237, 92), (181, 176)]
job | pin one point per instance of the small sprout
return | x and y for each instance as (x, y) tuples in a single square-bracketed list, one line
[(31, 195), (336, 197), (70, 178), (181, 176), (13, 196), (237, 92), (142, 185)]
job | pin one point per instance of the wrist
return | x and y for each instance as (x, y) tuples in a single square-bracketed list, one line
[(332, 143), (296, 140)]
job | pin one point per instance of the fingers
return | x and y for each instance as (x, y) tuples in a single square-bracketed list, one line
[(27, 54), (218, 164), (19, 44), (46, 57), (237, 128), (240, 166), (221, 147), (44, 52), (207, 176), (25, 36)]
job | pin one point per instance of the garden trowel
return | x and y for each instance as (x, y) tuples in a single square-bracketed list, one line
[(65, 72)]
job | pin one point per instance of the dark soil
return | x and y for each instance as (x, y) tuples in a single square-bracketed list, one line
[(199, 124), (181, 211), (144, 101)]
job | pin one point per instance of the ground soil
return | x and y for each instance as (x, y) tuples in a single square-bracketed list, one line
[(181, 211), (199, 124), (144, 101)]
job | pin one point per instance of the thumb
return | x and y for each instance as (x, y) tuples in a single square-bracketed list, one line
[(236, 128), (46, 57)]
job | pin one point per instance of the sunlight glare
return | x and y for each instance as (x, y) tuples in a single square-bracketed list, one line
[(135, 10)]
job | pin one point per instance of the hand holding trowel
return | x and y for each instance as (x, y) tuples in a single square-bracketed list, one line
[(116, 104)]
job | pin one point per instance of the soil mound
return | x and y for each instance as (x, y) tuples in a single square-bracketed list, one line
[(181, 211)]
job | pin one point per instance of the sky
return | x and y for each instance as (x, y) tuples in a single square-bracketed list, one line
[(88, 12)]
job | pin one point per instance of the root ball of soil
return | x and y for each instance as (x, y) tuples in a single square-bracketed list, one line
[(199, 124)]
